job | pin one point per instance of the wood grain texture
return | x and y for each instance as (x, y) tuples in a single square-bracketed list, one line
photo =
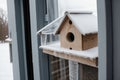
[(89, 73), (70, 28), (89, 41), (82, 60)]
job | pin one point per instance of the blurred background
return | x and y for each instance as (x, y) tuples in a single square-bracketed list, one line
[(6, 71)]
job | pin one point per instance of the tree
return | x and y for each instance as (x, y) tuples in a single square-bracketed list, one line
[(3, 25)]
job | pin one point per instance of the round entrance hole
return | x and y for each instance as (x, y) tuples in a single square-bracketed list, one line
[(70, 37)]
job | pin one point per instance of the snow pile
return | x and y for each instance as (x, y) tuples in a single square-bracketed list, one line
[(6, 69), (80, 20), (90, 53)]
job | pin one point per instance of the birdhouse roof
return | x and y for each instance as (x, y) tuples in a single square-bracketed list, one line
[(85, 22), (51, 27)]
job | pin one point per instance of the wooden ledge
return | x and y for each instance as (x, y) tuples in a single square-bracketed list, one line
[(82, 60)]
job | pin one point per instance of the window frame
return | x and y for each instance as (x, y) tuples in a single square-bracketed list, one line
[(105, 39), (106, 35), (16, 23), (40, 16)]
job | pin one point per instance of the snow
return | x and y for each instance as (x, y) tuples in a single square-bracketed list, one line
[(8, 40), (78, 6), (90, 53), (65, 5), (6, 72), (85, 23), (79, 20), (3, 5)]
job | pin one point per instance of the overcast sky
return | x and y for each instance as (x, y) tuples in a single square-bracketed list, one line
[(3, 4)]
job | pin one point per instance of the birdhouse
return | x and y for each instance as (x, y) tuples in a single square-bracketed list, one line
[(66, 37), (78, 31)]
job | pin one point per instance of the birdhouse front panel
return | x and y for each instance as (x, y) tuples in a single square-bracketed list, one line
[(89, 41), (70, 37)]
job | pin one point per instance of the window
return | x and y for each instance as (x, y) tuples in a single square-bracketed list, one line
[(40, 15)]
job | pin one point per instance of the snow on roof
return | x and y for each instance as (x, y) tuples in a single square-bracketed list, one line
[(50, 28), (85, 22)]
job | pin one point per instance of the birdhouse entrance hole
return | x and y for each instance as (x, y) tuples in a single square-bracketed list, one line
[(70, 37)]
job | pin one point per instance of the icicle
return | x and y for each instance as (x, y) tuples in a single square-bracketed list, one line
[(50, 38), (41, 40), (45, 39), (56, 38), (62, 69), (73, 70)]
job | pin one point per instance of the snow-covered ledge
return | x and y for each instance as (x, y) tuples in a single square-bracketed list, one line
[(9, 40), (88, 57)]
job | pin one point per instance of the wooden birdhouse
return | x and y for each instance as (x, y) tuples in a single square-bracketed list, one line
[(78, 31)]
